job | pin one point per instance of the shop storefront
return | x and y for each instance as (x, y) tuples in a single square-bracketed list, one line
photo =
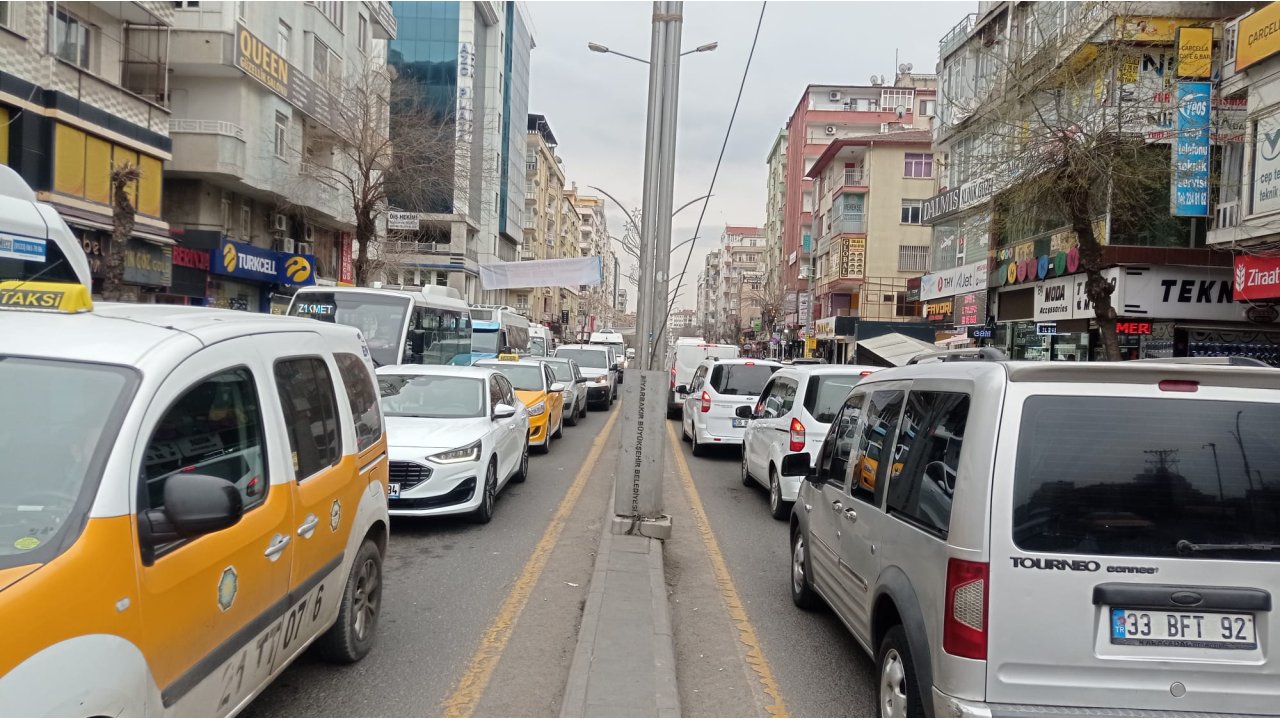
[(247, 277), (148, 266)]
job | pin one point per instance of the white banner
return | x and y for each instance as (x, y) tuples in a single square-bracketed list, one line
[(402, 221), (1167, 292), (954, 281), (564, 272)]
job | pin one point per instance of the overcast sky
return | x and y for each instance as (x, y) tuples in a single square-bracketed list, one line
[(595, 103)]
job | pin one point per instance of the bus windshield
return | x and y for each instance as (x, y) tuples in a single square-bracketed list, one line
[(380, 318), (484, 341)]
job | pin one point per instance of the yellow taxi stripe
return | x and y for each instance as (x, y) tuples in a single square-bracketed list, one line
[(475, 679)]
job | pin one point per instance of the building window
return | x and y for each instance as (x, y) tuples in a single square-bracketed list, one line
[(69, 38), (442, 279), (918, 165), (928, 108), (186, 4), (331, 9), (902, 307), (913, 258), (326, 66), (226, 215), (282, 134), (362, 39), (284, 34), (911, 212), (5, 20), (246, 221), (242, 9)]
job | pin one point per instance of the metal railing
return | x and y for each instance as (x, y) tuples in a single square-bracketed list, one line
[(850, 223), (1227, 215), (415, 247), (957, 35), (853, 177), (206, 127)]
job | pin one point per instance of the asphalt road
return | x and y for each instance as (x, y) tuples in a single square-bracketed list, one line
[(820, 669), (446, 580)]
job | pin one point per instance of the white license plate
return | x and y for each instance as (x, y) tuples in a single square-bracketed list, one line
[(739, 422), (393, 491), (1223, 631)]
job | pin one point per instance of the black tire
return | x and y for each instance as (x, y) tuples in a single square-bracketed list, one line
[(522, 472), (352, 635), (545, 447), (673, 412), (483, 514), (698, 449), (802, 592), (572, 418), (746, 473), (778, 508), (897, 685), (583, 412)]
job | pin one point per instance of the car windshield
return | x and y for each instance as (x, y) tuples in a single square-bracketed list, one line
[(1156, 472), (586, 358), (484, 341), (826, 393), (741, 379), (54, 440), (562, 371), (380, 318), (522, 377), (432, 396)]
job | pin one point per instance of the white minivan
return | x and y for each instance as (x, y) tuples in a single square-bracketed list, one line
[(711, 398), (683, 360)]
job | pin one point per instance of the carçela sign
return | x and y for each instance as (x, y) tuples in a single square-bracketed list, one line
[(250, 262)]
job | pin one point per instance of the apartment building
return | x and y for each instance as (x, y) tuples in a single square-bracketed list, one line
[(544, 187), (82, 90), (775, 205), (741, 281), (599, 302), (680, 320), (709, 295)]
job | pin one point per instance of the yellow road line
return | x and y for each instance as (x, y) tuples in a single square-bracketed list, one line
[(728, 591), (475, 679)]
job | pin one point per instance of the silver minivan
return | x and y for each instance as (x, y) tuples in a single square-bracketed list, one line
[(1047, 539)]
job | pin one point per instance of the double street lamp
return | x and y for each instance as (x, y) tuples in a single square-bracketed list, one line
[(597, 47)]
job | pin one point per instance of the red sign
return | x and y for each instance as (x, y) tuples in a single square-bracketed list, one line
[(189, 258), (1256, 278), (1133, 328), (346, 265)]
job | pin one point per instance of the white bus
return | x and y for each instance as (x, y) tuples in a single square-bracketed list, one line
[(539, 341), (496, 328), (427, 326)]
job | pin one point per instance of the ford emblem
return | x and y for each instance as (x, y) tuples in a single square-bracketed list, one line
[(1186, 598)]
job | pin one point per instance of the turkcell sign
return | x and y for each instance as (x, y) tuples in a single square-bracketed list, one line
[(1191, 151)]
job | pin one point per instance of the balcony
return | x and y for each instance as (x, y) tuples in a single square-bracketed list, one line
[(853, 179), (413, 247), (849, 224), (957, 35), (206, 148)]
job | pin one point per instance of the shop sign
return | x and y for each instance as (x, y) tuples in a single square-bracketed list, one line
[(1258, 36), (948, 203), (147, 264), (1190, 182), (939, 311), (913, 289), (1177, 293), (346, 262), (806, 309), (191, 258), (256, 59), (971, 309), (953, 281), (1266, 165), (1195, 52), (825, 328), (1055, 299), (249, 262), (1256, 278), (13, 247), (981, 333), (1130, 327), (402, 221), (1046, 328)]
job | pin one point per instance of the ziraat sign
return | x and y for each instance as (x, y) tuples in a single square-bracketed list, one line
[(1256, 278)]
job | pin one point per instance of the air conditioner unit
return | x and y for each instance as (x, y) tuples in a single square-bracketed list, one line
[(304, 248), (834, 95), (279, 223), (310, 233), (831, 129), (286, 245)]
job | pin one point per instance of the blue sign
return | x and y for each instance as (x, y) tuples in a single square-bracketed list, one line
[(14, 247), (981, 333), (249, 262), (805, 242), (1191, 151)]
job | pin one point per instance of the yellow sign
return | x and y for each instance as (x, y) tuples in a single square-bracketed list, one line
[(1258, 36), (229, 257), (810, 344), (45, 296), (1148, 29), (297, 268), (261, 63), (505, 357), (1195, 52)]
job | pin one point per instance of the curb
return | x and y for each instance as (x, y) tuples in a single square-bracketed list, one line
[(603, 659)]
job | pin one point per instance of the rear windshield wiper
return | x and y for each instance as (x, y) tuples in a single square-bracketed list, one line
[(1186, 547)]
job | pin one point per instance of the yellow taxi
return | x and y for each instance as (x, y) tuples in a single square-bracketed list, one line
[(536, 386), (190, 498)]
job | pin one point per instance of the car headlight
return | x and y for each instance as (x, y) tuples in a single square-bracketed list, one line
[(470, 453), (602, 379), (538, 408)]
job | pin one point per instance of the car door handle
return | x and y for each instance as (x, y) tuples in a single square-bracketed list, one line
[(308, 527), (837, 505), (851, 514), (277, 546)]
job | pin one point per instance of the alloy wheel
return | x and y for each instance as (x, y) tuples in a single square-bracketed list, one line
[(797, 564), (367, 599)]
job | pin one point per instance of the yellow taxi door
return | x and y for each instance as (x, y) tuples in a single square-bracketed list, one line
[(330, 472), (207, 602), (555, 401)]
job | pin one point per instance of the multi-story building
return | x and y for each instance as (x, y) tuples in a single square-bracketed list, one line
[(598, 301), (257, 137), (1004, 253), (775, 205), (566, 245), (681, 319), (544, 187), (621, 307), (82, 90), (741, 281), (709, 296), (823, 114), (470, 63)]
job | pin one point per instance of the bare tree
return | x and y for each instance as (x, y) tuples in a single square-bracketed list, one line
[(124, 181)]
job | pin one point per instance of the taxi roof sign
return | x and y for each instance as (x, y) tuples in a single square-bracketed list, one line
[(509, 357), (45, 297)]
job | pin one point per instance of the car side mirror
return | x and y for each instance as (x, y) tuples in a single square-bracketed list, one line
[(194, 505), (743, 411), (581, 380), (682, 389), (503, 410), (798, 464), (614, 367), (557, 387)]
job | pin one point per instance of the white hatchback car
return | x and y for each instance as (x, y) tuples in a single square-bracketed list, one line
[(455, 437), (792, 415), (717, 389)]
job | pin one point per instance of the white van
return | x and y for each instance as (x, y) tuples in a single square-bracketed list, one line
[(35, 242), (683, 359), (539, 341)]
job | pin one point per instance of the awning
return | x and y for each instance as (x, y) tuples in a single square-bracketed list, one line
[(93, 221), (895, 348)]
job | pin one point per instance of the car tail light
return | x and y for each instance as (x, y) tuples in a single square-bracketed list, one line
[(1179, 385), (964, 628), (750, 364), (864, 373), (797, 435), (706, 401), (673, 378)]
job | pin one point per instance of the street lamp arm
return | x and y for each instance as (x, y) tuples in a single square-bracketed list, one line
[(597, 47), (634, 225), (701, 48), (677, 211)]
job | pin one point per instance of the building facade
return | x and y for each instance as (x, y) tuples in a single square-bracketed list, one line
[(598, 302), (709, 296), (740, 282), (544, 187), (775, 205)]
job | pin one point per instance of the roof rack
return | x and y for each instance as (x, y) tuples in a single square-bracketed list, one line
[(983, 354)]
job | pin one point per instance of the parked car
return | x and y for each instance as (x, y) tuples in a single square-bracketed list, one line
[(567, 372), (1052, 538), (536, 386), (457, 435), (712, 397), (791, 415), (683, 359), (598, 365)]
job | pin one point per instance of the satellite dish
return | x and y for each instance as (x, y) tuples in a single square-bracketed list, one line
[(909, 66), (902, 110), (902, 68), (881, 79), (873, 79)]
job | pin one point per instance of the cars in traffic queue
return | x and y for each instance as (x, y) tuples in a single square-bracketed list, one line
[(597, 364), (536, 386), (682, 361), (455, 436), (613, 340), (712, 398), (1054, 539), (792, 415), (567, 372), (191, 498)]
